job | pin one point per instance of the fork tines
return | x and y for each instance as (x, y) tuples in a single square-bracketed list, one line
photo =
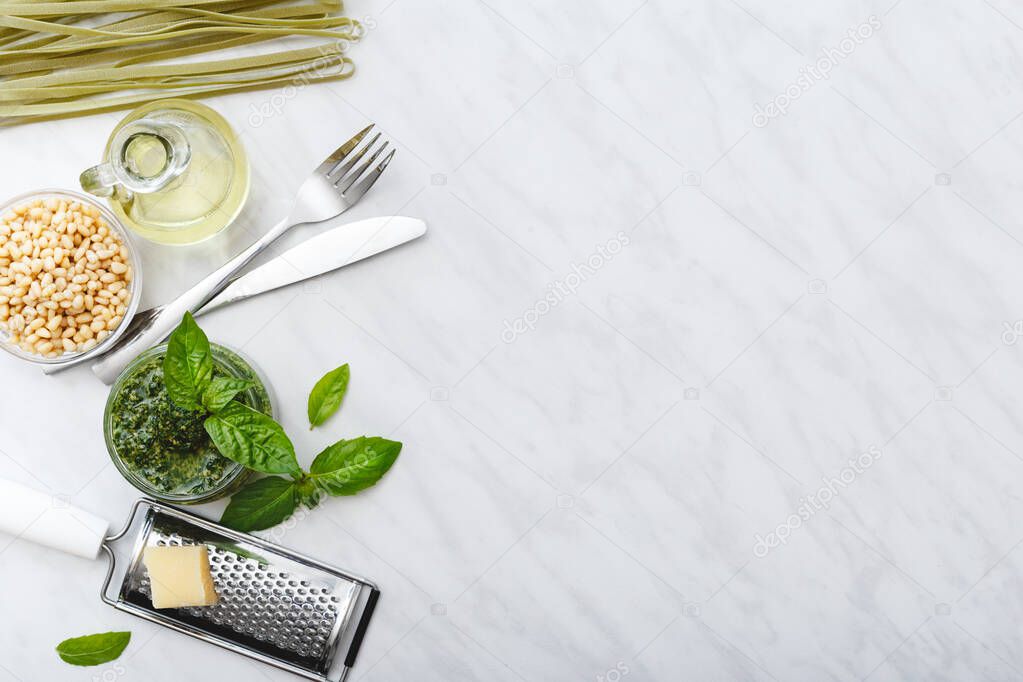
[(344, 171)]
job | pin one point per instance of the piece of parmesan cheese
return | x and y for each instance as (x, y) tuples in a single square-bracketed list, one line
[(180, 576)]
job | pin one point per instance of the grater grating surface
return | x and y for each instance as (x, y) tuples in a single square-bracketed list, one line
[(275, 605)]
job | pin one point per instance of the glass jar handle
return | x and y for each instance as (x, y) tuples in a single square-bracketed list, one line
[(101, 181)]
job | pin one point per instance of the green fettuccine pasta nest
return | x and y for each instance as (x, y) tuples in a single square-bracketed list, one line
[(79, 56)]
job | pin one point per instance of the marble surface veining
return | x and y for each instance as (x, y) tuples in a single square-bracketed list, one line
[(707, 368)]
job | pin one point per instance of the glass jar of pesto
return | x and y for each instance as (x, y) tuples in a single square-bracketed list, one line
[(164, 450)]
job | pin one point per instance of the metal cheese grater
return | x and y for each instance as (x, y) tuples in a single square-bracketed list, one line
[(276, 605)]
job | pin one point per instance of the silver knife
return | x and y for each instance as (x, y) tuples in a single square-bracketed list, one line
[(333, 249), (325, 252)]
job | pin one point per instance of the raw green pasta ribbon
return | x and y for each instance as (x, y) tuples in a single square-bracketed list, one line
[(80, 56)]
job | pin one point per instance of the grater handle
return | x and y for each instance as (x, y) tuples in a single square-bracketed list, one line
[(360, 629), (49, 520)]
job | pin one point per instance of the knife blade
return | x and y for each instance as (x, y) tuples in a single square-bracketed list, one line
[(323, 253), (328, 251)]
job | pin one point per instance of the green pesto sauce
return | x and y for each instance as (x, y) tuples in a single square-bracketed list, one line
[(163, 443)]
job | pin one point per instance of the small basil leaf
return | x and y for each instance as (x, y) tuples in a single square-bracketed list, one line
[(262, 504), (188, 364), (93, 649), (222, 390), (327, 394), (252, 439), (348, 466)]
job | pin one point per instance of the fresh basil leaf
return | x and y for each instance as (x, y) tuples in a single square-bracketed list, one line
[(327, 394), (93, 649), (188, 364), (252, 439), (222, 390), (262, 504), (348, 466)]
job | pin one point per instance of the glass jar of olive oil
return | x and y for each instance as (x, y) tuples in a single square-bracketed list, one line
[(174, 172)]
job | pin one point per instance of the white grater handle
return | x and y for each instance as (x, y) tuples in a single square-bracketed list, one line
[(49, 521)]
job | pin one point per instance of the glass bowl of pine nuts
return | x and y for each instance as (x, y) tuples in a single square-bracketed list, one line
[(69, 277)]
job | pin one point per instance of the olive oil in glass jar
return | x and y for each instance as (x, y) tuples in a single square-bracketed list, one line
[(174, 172)]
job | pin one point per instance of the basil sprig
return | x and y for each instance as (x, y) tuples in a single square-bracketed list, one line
[(344, 468), (93, 649), (239, 432), (257, 442)]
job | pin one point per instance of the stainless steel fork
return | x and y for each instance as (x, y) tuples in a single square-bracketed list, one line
[(334, 187)]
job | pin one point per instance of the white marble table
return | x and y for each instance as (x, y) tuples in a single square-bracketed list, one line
[(690, 388)]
